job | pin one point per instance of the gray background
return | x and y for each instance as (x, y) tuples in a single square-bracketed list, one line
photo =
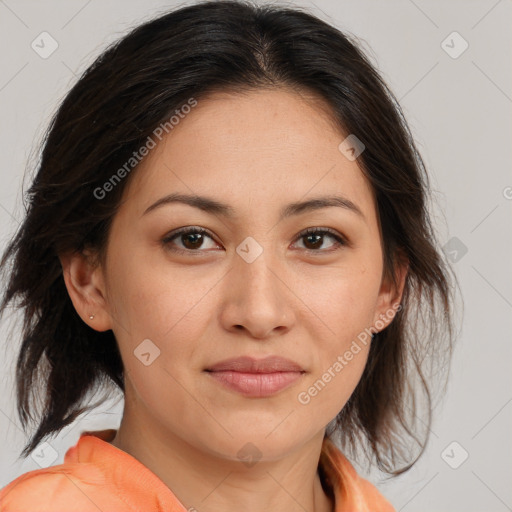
[(459, 111)]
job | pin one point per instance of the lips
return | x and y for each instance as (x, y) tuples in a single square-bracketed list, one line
[(257, 378), (246, 364)]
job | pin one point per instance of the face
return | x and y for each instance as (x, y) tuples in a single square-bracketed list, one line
[(248, 280)]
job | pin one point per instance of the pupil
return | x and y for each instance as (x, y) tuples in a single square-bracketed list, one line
[(196, 237), (318, 237)]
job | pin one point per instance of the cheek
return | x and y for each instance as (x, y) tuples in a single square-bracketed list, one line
[(344, 303), (344, 299), (152, 300), (166, 316)]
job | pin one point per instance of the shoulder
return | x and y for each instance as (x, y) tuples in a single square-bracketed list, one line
[(63, 487), (365, 492), (352, 491), (373, 497)]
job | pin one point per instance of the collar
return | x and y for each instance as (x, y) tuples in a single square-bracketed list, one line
[(339, 478)]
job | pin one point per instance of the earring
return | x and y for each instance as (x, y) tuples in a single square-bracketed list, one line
[(91, 317)]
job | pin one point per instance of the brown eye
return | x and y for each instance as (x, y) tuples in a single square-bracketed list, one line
[(314, 239), (191, 239)]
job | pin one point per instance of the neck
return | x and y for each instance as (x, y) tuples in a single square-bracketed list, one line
[(207, 482)]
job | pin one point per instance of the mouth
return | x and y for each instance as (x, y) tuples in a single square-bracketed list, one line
[(256, 378)]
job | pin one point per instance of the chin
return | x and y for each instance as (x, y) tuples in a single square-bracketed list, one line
[(253, 445)]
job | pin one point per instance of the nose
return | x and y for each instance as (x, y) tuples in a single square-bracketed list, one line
[(257, 298)]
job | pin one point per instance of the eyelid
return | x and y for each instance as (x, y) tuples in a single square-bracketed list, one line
[(332, 232), (340, 239), (183, 231)]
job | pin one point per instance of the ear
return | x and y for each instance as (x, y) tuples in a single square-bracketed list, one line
[(86, 287), (390, 294)]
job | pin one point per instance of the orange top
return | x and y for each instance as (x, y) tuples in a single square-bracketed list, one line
[(97, 476)]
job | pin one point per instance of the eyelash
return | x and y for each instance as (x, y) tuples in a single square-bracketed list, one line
[(341, 241)]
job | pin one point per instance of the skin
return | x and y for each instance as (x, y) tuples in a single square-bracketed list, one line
[(256, 152)]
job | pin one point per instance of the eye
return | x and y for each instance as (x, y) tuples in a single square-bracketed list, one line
[(192, 238), (314, 239)]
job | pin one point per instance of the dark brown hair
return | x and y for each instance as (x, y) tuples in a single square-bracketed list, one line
[(136, 84)]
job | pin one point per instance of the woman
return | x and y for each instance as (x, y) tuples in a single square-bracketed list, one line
[(229, 223)]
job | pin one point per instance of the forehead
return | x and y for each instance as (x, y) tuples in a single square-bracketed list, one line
[(262, 147)]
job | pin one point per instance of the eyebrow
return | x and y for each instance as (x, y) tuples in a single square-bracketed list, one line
[(212, 206)]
